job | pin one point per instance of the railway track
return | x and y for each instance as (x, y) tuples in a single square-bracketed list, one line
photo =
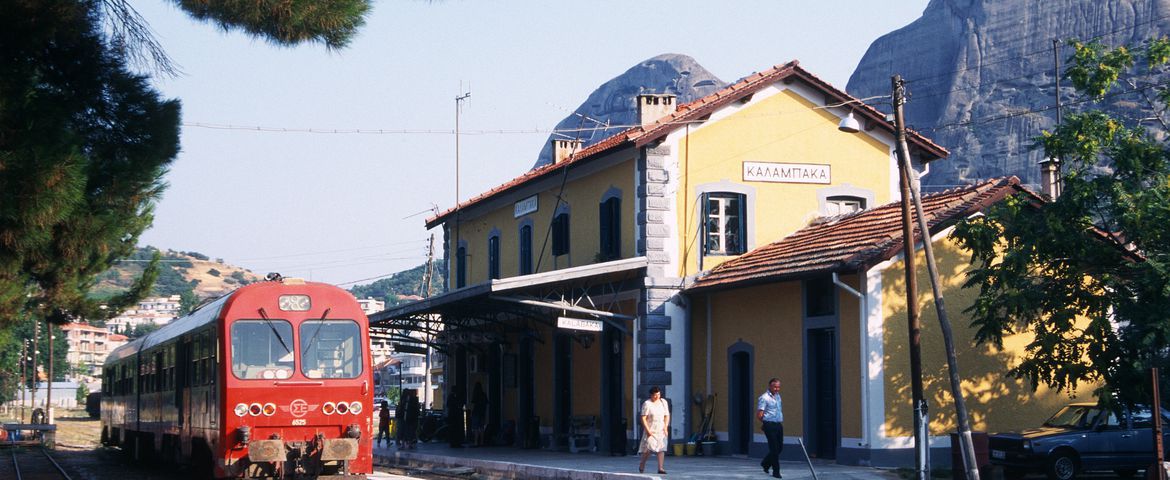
[(31, 463)]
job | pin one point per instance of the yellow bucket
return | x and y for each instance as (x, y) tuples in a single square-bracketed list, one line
[(691, 449), (678, 449)]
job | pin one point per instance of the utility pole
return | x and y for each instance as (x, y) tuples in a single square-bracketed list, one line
[(35, 350), (23, 375), (426, 293), (1155, 406), (458, 108), (49, 383), (914, 321), (965, 444), (1056, 75)]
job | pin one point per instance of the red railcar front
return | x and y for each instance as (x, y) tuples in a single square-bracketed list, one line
[(297, 382)]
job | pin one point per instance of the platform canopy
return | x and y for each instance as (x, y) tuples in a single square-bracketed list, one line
[(486, 312)]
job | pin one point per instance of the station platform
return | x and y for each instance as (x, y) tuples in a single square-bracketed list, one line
[(511, 462)]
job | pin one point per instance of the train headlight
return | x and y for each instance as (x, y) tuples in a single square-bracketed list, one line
[(353, 431), (329, 408), (244, 433), (342, 408), (355, 407), (269, 409), (255, 409), (241, 409)]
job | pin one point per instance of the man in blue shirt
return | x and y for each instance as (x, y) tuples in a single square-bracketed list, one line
[(769, 411)]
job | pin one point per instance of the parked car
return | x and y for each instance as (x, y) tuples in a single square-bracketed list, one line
[(1081, 437)]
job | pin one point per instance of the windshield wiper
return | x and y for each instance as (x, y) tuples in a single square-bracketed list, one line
[(272, 327), (315, 332)]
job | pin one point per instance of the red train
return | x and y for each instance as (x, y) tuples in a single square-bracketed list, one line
[(271, 380)]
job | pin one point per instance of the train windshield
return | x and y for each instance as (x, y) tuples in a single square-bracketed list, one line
[(331, 349), (262, 349)]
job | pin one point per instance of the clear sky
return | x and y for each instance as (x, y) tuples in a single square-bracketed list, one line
[(348, 208)]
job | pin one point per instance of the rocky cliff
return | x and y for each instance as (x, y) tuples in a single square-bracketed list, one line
[(980, 75), (611, 108)]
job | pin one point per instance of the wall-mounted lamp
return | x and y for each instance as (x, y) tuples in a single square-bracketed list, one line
[(849, 124)]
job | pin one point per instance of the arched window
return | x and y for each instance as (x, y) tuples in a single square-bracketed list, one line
[(560, 234), (724, 223), (526, 249), (460, 266), (494, 257), (610, 216)]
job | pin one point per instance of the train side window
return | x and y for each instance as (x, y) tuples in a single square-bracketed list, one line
[(261, 349), (204, 352), (331, 349)]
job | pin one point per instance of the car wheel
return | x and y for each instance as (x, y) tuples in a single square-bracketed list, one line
[(1014, 473), (1126, 472), (1062, 466)]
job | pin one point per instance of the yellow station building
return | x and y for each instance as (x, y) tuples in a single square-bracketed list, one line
[(709, 248)]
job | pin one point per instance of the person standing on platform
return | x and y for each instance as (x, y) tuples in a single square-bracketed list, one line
[(770, 413), (479, 407), (656, 423), (409, 428), (455, 417), (383, 423)]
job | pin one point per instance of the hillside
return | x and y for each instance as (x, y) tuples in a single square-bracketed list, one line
[(406, 282), (182, 272)]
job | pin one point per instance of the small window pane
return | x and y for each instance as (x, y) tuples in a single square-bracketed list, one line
[(260, 349), (331, 349), (724, 224)]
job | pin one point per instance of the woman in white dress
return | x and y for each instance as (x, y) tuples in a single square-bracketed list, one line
[(656, 424)]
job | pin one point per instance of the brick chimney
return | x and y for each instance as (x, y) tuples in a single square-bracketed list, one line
[(563, 148), (652, 107), (1050, 178)]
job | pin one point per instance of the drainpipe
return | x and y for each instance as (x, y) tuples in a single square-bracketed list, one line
[(864, 331), (634, 422), (709, 344)]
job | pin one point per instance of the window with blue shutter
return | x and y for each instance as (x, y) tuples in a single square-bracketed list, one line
[(526, 250)]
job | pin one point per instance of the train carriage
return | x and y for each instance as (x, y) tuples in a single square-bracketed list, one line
[(271, 380)]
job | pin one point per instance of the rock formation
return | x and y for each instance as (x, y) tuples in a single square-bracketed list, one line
[(980, 76), (611, 108)]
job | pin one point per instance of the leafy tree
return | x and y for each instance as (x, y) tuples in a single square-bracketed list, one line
[(84, 142), (187, 302), (142, 330), (83, 146), (406, 282), (1087, 274), (82, 392), (18, 334), (213, 272)]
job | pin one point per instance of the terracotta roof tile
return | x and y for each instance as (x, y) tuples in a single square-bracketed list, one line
[(641, 135), (851, 242)]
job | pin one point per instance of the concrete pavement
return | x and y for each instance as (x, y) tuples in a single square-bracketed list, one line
[(510, 462)]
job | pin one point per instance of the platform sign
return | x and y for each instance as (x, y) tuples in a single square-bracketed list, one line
[(786, 172), (579, 324), (408, 348), (524, 207)]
